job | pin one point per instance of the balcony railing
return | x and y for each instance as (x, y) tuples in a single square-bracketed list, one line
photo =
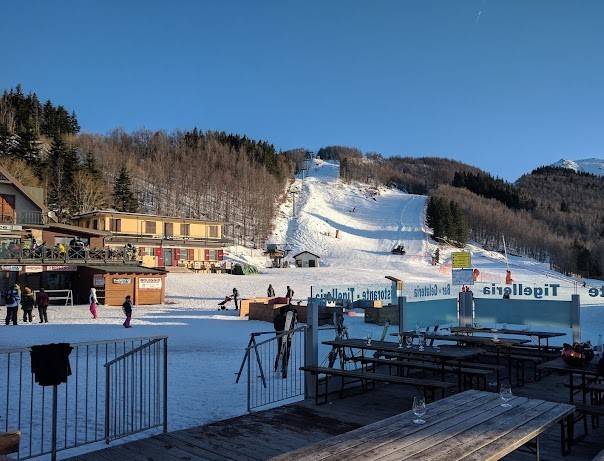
[(23, 218), (57, 254)]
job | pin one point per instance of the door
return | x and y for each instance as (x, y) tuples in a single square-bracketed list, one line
[(167, 257), (7, 209)]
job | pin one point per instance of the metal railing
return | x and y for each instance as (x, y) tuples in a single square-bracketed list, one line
[(273, 366), (136, 390), (56, 254), (23, 217), (57, 418)]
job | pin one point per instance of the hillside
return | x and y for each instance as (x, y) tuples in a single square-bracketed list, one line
[(593, 166)]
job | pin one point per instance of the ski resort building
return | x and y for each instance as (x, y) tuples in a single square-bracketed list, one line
[(161, 241), (307, 259)]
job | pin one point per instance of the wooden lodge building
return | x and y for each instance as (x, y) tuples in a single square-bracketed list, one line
[(160, 241), (37, 251)]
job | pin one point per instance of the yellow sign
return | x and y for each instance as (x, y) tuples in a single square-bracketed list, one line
[(461, 260)]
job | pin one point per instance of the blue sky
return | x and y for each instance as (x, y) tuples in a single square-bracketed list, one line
[(505, 85)]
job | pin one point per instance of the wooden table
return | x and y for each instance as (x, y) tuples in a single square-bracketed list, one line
[(586, 372), (468, 426), (540, 335), (443, 355)]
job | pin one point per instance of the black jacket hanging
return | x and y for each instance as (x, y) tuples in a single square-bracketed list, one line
[(50, 363)]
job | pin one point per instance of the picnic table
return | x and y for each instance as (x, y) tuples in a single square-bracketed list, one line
[(442, 355), (497, 343), (540, 335), (590, 370), (468, 426)]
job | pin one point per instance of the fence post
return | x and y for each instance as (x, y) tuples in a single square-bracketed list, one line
[(107, 397), (402, 301), (311, 346), (53, 455), (165, 428), (575, 308), (249, 378)]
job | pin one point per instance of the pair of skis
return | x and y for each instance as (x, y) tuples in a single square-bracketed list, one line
[(285, 342)]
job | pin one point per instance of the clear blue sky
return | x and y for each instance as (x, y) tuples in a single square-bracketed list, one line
[(505, 85)]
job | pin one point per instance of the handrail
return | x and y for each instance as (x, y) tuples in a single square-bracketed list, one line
[(134, 351), (278, 335), (87, 343)]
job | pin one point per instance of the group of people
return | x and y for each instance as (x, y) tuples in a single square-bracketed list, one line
[(14, 298)]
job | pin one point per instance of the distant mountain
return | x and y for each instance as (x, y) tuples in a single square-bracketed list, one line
[(588, 165)]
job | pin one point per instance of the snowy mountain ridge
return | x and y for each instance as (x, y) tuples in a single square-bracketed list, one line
[(593, 166)]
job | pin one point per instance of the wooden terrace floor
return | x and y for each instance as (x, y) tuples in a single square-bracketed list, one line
[(261, 435)]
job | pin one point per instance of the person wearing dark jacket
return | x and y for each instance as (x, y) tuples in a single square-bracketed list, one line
[(27, 304), (279, 325), (270, 292), (12, 299), (127, 308), (42, 303), (236, 298), (289, 295)]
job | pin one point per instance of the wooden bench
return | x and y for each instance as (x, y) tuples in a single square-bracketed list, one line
[(585, 410), (9, 443), (480, 374), (599, 456), (428, 386), (521, 360)]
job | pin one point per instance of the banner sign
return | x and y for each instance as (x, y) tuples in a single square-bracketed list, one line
[(351, 293), (34, 269), (462, 277), (122, 281), (548, 291), (424, 291), (61, 268), (11, 268), (150, 283), (461, 260), (10, 227)]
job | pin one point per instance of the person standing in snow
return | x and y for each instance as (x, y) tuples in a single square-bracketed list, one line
[(94, 302), (127, 308), (270, 292), (42, 303), (12, 297), (27, 304), (289, 295), (236, 298), (279, 325)]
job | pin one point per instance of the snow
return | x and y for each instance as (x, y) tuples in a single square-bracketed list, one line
[(206, 346), (589, 165)]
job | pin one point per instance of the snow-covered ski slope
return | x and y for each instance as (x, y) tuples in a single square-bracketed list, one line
[(369, 223)]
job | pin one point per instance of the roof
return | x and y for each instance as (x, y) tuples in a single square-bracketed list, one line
[(140, 215), (302, 252), (125, 269), (81, 230), (15, 182)]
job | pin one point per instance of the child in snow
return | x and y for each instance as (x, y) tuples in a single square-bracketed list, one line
[(127, 308), (92, 299)]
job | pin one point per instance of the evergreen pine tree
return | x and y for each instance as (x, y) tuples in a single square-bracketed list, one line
[(90, 166), (123, 196), (28, 148), (61, 167)]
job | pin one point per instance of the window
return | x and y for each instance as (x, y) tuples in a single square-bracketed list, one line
[(182, 255), (213, 231), (116, 225), (7, 209), (168, 229), (213, 255), (150, 227), (185, 230), (95, 223)]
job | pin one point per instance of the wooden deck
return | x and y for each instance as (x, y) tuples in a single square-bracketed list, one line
[(261, 435)]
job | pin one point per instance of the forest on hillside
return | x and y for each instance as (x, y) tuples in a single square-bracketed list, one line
[(551, 214), (208, 175)]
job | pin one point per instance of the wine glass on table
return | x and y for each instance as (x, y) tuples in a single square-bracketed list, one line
[(419, 409), (369, 339), (401, 340), (422, 341), (409, 341), (505, 393)]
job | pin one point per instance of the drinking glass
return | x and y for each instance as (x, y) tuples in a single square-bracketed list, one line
[(505, 393), (422, 341), (419, 409), (401, 338), (409, 341), (369, 339)]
